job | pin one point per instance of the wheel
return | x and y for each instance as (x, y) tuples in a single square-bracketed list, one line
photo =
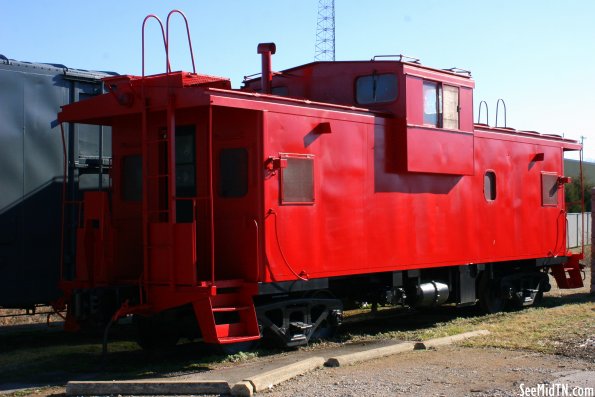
[(538, 298), (515, 304), (327, 327), (518, 304), (490, 298), (324, 331), (154, 334)]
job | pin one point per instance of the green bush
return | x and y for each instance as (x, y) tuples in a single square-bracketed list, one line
[(573, 195)]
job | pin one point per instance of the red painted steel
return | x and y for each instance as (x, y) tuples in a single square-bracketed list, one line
[(569, 275), (378, 190), (187, 33), (167, 66), (266, 50)]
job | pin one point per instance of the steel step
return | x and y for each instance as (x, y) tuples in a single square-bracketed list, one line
[(230, 309), (237, 339)]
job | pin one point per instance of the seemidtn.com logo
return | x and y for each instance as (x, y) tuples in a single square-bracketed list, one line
[(556, 390)]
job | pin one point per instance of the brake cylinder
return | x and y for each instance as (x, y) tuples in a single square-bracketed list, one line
[(430, 294)]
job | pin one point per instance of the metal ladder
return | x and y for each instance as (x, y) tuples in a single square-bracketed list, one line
[(161, 180)]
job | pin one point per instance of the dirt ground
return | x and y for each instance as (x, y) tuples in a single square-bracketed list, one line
[(447, 371), (455, 370)]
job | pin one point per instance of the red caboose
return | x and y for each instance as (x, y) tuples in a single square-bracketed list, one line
[(258, 211)]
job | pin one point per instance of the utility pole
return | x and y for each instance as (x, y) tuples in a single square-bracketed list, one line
[(325, 31)]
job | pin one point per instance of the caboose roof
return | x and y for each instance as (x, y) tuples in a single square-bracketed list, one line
[(463, 77), (124, 93), (202, 90)]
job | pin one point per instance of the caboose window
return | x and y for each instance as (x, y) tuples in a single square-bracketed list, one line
[(489, 185), (233, 166), (441, 105), (376, 88), (432, 103), (132, 178), (451, 107), (549, 189), (297, 181), (185, 162), (185, 172)]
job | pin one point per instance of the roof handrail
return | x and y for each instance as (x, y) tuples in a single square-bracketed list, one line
[(400, 56), (504, 104), (458, 71), (152, 16), (255, 75), (167, 39), (487, 113)]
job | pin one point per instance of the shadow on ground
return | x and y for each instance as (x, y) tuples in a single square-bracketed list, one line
[(50, 357)]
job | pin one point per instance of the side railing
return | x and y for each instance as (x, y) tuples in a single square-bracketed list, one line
[(578, 231)]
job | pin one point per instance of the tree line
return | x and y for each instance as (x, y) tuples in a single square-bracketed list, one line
[(573, 195)]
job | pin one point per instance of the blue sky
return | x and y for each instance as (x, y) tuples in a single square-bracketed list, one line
[(535, 54)]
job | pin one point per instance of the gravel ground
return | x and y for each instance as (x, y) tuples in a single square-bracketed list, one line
[(448, 371)]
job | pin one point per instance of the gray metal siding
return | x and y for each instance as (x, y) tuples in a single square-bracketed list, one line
[(11, 138), (31, 174)]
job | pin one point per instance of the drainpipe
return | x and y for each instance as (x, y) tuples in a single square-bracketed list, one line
[(266, 50)]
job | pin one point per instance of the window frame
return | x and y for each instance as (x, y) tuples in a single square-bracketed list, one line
[(131, 183), (355, 89), (182, 132), (285, 157), (458, 108), (439, 103), (549, 179), (493, 188), (437, 100), (246, 180)]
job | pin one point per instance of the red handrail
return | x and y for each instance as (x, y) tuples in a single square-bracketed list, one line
[(167, 39), (167, 66)]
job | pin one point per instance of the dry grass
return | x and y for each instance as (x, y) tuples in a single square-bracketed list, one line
[(21, 316), (544, 330), (565, 324)]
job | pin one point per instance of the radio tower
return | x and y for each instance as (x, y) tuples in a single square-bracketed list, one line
[(325, 31)]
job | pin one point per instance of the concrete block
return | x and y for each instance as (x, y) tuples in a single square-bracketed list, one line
[(271, 378), (447, 340), (147, 387), (242, 389), (351, 358)]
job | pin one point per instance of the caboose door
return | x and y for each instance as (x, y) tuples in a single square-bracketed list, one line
[(236, 173)]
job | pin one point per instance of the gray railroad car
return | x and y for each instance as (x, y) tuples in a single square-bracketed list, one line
[(32, 169)]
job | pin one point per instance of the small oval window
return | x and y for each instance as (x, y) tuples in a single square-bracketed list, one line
[(376, 88), (489, 185)]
